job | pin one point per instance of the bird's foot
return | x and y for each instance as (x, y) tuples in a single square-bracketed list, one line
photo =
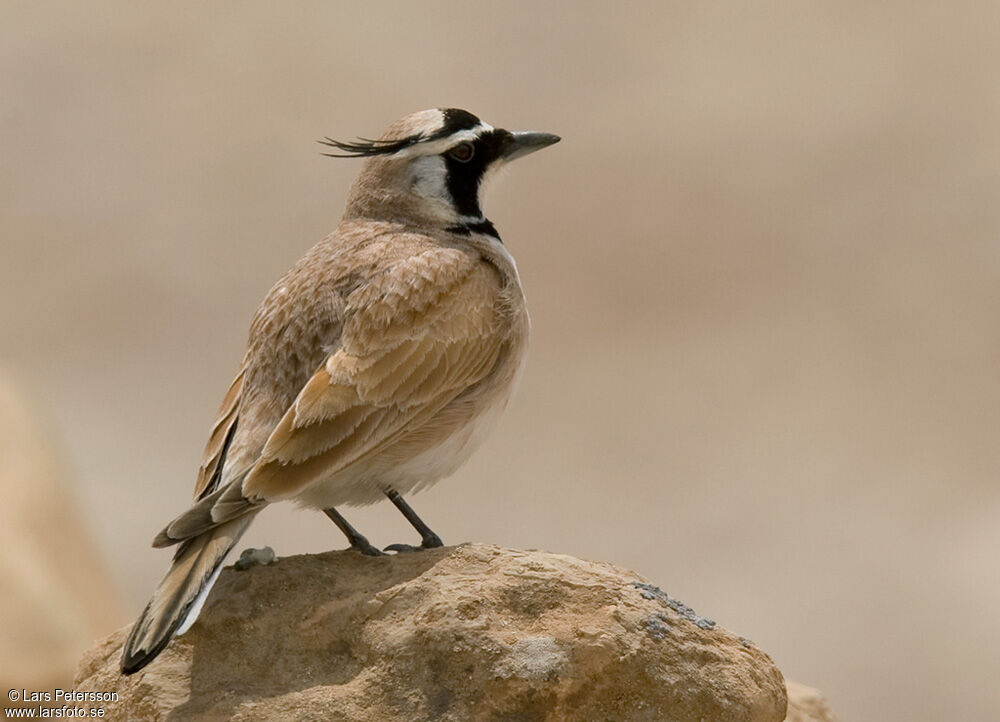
[(362, 545), (432, 541)]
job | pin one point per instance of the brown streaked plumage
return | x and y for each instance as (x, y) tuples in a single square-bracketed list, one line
[(374, 366)]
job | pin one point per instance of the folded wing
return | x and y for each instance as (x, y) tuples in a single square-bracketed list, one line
[(413, 340)]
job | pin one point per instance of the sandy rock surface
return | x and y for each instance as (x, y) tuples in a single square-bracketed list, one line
[(473, 632)]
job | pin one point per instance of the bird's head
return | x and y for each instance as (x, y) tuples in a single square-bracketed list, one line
[(430, 167)]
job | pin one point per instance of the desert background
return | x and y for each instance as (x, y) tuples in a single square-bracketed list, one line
[(763, 269)]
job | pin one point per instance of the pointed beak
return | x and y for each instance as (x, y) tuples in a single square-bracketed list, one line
[(528, 141)]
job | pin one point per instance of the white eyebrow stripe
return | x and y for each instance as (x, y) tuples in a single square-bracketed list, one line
[(440, 145)]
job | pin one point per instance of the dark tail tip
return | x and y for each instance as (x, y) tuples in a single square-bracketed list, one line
[(134, 660)]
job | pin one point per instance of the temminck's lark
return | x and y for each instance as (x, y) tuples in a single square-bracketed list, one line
[(374, 367)]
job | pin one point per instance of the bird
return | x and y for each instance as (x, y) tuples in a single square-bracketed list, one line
[(374, 367)]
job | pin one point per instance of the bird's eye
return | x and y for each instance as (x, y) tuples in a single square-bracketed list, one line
[(463, 152)]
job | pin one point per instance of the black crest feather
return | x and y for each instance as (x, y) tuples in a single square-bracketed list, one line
[(365, 147), (455, 120)]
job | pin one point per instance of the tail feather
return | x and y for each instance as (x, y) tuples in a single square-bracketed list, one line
[(178, 599), (223, 504)]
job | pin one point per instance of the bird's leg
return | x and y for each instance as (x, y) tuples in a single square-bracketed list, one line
[(428, 539), (356, 538)]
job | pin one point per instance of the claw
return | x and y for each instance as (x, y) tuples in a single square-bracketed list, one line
[(403, 548), (431, 542)]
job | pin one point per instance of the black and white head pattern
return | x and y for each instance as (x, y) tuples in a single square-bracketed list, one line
[(450, 152)]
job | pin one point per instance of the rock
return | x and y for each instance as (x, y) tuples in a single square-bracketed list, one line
[(472, 632), (55, 595), (806, 704), (255, 557)]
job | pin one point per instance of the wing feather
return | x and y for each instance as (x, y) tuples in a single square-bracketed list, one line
[(413, 340), (213, 458)]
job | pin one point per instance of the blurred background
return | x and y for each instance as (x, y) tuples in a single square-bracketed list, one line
[(763, 271)]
